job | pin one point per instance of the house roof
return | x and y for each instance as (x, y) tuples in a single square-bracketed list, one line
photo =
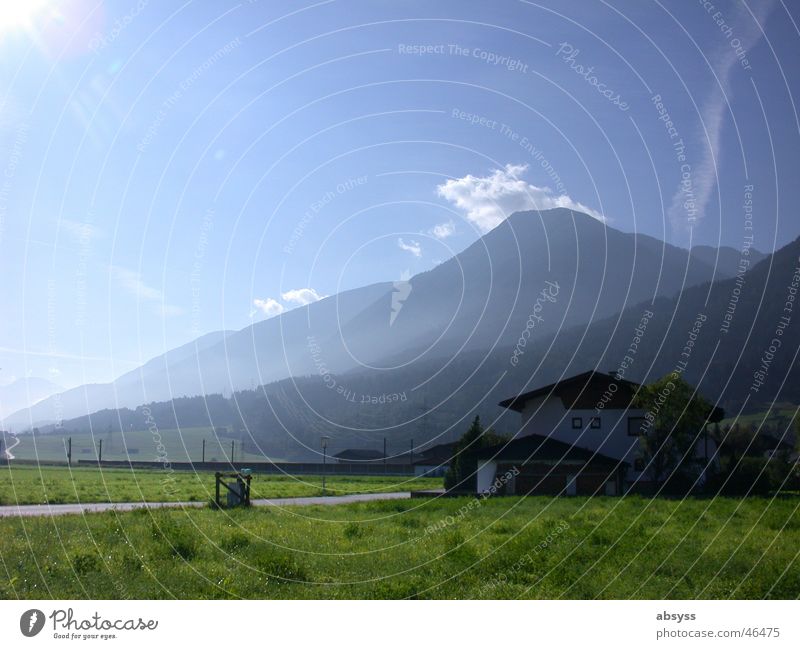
[(538, 448), (585, 391), (582, 391), (439, 454), (359, 454)]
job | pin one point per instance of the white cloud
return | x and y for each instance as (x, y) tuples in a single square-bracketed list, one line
[(132, 282), (443, 230), (301, 296), (269, 307), (488, 200), (691, 199), (413, 247), (80, 232)]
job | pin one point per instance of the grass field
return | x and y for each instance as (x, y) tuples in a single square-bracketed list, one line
[(182, 445), (56, 485), (499, 548)]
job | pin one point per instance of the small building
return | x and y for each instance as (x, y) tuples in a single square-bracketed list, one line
[(350, 455), (537, 465), (434, 461)]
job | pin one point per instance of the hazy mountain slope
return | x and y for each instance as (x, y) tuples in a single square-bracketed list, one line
[(725, 259), (21, 392), (486, 294), (484, 297)]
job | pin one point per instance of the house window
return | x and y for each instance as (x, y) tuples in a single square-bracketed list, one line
[(594, 422), (635, 426), (577, 422)]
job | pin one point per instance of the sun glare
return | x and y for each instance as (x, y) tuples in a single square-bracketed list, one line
[(16, 14)]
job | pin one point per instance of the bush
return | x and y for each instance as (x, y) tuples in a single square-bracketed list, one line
[(756, 476)]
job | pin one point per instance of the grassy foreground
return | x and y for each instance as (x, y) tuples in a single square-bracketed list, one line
[(499, 548), (31, 485)]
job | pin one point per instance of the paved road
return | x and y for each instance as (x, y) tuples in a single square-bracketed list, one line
[(60, 510)]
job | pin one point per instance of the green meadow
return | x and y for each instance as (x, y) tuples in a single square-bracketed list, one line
[(31, 485), (533, 547)]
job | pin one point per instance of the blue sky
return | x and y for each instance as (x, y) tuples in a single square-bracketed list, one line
[(171, 169)]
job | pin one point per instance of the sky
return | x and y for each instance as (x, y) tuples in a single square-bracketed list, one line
[(175, 168)]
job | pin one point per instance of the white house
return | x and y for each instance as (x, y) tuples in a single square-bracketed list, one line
[(591, 411)]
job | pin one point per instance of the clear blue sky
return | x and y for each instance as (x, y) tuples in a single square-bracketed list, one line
[(170, 169)]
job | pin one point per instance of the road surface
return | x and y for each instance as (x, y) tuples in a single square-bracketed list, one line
[(88, 508)]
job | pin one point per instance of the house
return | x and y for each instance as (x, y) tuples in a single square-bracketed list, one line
[(538, 465), (359, 455), (433, 461), (594, 412)]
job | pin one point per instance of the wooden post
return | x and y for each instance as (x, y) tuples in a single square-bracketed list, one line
[(216, 499), (204, 451), (411, 453), (100, 452), (232, 443), (384, 455), (69, 451)]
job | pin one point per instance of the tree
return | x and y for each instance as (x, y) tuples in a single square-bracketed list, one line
[(675, 418), (464, 465)]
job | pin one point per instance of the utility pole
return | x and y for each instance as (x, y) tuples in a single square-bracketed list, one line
[(204, 451), (384, 455), (411, 453), (100, 452), (232, 443), (69, 451)]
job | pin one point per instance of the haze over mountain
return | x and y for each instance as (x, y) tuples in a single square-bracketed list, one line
[(22, 392), (484, 297)]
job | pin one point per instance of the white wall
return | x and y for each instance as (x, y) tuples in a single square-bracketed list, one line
[(548, 417), (485, 476)]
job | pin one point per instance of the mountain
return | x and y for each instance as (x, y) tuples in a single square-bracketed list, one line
[(22, 392), (726, 260), (535, 274)]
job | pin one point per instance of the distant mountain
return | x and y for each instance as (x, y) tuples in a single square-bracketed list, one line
[(489, 296), (23, 392), (726, 260)]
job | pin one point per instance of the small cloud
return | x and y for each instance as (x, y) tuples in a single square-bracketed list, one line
[(132, 282), (443, 230), (79, 232), (413, 247), (269, 307), (301, 296), (489, 200)]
